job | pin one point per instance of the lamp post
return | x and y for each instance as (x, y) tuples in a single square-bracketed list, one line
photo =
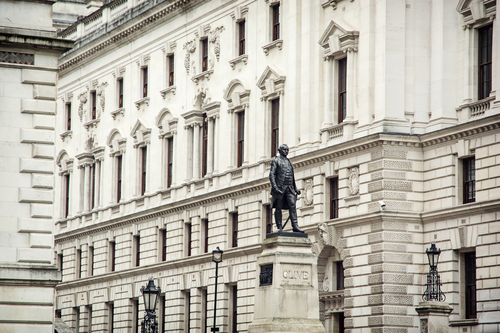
[(433, 291), (150, 294), (217, 258)]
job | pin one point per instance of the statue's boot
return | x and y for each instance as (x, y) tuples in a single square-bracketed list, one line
[(295, 227), (279, 226)]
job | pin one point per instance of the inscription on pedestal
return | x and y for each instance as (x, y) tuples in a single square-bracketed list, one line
[(295, 275)]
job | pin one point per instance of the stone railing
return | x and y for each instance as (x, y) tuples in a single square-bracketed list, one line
[(474, 110), (333, 300)]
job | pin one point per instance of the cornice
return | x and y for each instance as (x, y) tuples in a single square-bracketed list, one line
[(141, 24)]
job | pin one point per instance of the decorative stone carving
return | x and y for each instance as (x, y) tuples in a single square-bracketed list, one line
[(83, 97), (423, 326), (354, 181), (190, 47), (214, 37), (100, 91), (308, 192)]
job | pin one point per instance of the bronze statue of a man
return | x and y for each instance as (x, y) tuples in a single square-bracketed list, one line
[(284, 190)]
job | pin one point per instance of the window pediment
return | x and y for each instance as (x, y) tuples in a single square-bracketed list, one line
[(141, 133), (166, 123), (476, 11), (338, 38), (116, 143), (237, 95), (271, 82), (64, 162)]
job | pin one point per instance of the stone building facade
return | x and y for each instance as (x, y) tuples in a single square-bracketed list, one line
[(169, 113), (29, 48)]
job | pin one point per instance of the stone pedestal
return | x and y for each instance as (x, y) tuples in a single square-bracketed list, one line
[(286, 296), (434, 317)]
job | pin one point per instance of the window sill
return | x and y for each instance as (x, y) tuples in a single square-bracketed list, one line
[(66, 134), (463, 322), (144, 100), (242, 58), (170, 89), (117, 112), (275, 43), (92, 124), (203, 75)]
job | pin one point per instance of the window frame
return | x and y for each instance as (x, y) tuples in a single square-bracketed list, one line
[(204, 148), (120, 92), (90, 260), (469, 179), (111, 255), (485, 67), (340, 275), (68, 116), (275, 115), (66, 178), (234, 229), (163, 235), (144, 77), (119, 176), (204, 54), (469, 285), (170, 161), (205, 226), (93, 105), (143, 174), (240, 151), (137, 250), (275, 21), (188, 238), (342, 90), (171, 70), (269, 219), (241, 37), (334, 198)]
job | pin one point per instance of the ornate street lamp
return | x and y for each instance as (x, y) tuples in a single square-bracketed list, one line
[(217, 258), (150, 294), (433, 291)]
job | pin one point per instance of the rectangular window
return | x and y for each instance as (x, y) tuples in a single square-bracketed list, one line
[(204, 310), (469, 181), (342, 89), (60, 263), (276, 21), (161, 313), (91, 261), (204, 157), (120, 93), (241, 37), (137, 250), (92, 186), (334, 198), (144, 82), (275, 126), (204, 54), (78, 264), (68, 116), (89, 314), (234, 228), (340, 275), (163, 244), (118, 178), (187, 311), (241, 138), (269, 219), (144, 154), (76, 311), (170, 160), (111, 317), (93, 103), (485, 63), (112, 256), (188, 239), (135, 311), (170, 70), (204, 224), (66, 195), (234, 309), (470, 285)]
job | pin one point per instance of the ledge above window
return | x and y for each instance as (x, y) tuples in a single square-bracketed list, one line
[(203, 75), (144, 100), (66, 134), (464, 322), (167, 90), (92, 124), (275, 43), (117, 112), (242, 58)]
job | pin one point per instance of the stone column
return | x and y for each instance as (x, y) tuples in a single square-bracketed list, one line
[(86, 186), (287, 276), (328, 110), (189, 155), (210, 152), (196, 151), (434, 316)]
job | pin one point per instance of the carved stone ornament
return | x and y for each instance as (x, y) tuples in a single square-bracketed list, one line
[(308, 192), (214, 37), (326, 283), (190, 47), (423, 326), (323, 233), (354, 181), (83, 100), (102, 96)]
